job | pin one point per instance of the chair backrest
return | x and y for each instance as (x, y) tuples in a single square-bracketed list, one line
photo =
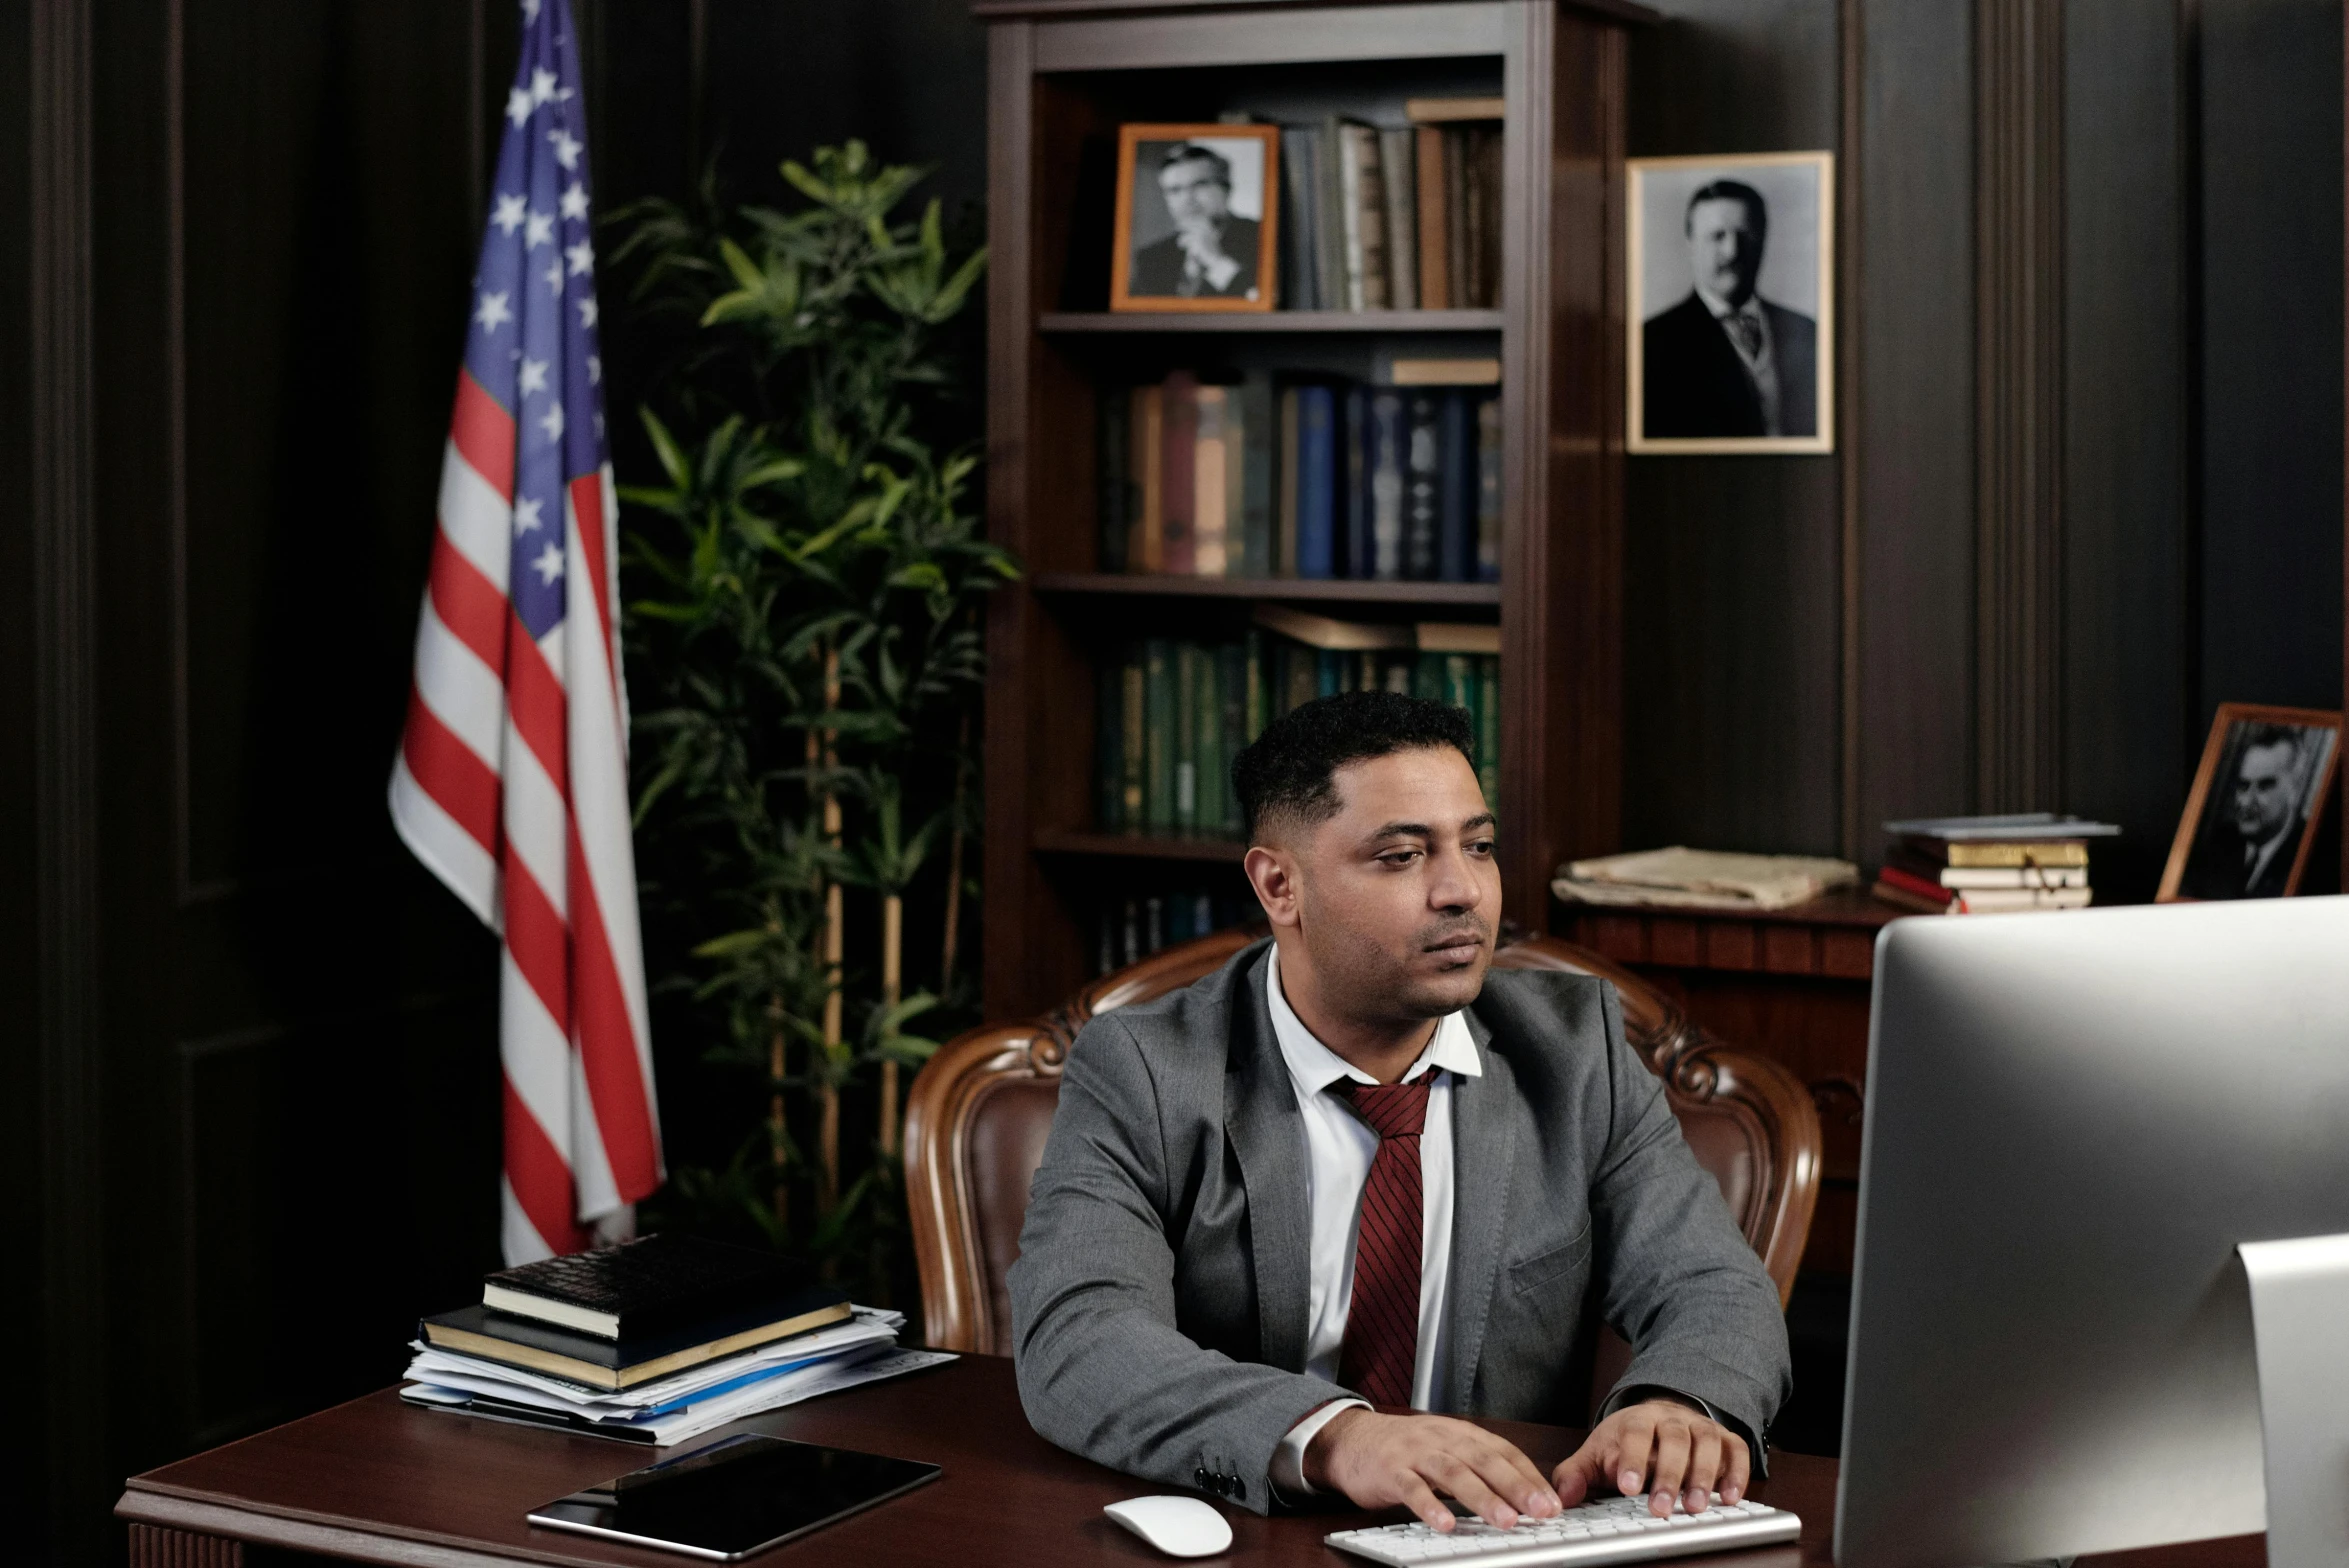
[(981, 1109)]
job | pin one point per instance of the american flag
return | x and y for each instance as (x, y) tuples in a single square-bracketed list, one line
[(512, 778)]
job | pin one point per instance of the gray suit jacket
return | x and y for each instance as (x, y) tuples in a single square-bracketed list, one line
[(1159, 1301)]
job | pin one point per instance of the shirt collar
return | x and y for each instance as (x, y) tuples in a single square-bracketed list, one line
[(1315, 1066), (1722, 310)]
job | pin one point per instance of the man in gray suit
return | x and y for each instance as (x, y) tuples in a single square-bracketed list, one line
[(1290, 1213)]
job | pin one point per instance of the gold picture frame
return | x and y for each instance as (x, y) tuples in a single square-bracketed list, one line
[(1713, 392), (1151, 266), (2277, 767)]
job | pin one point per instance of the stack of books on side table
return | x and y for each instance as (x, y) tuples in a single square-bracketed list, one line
[(652, 1341), (1989, 865)]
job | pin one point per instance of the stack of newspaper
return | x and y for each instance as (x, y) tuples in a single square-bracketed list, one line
[(1681, 878), (863, 1349)]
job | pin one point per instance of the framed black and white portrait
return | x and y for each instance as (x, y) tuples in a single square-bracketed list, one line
[(2250, 819), (1731, 313), (1197, 212)]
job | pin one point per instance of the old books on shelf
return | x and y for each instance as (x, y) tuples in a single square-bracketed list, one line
[(651, 1341), (1174, 713), (1394, 217), (1989, 865), (1130, 928), (1262, 475)]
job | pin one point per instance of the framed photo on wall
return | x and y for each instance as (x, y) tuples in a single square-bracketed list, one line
[(1731, 315), (2265, 777), (1198, 214)]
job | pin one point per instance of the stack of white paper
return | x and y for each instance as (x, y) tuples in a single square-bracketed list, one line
[(861, 1350)]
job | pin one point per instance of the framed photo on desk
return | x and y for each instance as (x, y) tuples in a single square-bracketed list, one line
[(2261, 790)]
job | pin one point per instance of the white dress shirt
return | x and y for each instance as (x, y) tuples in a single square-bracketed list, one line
[(1339, 1147)]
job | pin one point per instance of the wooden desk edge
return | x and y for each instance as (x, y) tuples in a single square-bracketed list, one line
[(150, 1505)]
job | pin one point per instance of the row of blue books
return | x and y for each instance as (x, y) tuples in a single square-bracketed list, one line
[(1257, 475)]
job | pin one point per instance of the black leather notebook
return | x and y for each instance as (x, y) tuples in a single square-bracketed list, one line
[(655, 1287)]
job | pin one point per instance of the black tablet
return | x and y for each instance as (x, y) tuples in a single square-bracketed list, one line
[(735, 1497)]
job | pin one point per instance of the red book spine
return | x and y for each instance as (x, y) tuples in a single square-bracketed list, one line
[(1179, 472), (1910, 882)]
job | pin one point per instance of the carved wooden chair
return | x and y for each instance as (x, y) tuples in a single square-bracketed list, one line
[(980, 1110)]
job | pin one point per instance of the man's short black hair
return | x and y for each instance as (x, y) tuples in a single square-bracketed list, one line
[(1192, 152), (1287, 770), (1729, 190)]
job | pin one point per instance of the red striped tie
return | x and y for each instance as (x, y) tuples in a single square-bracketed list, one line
[(1382, 1321)]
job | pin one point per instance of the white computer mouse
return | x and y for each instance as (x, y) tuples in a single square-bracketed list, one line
[(1177, 1526)]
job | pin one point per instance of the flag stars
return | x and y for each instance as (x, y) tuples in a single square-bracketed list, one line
[(574, 203), (587, 311), (526, 515), (554, 277), (518, 107), (582, 256), (595, 369), (543, 83), (530, 10), (533, 376), (511, 210), (538, 229), (567, 147), (493, 313), (548, 564), (552, 421)]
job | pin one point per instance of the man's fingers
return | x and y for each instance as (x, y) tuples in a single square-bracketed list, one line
[(1575, 1473), (1414, 1495), (1734, 1472), (1630, 1455), (1671, 1457), (1507, 1471), (1704, 1469), (1458, 1477)]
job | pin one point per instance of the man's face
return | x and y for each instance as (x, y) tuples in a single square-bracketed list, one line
[(2263, 792), (1724, 248), (1195, 197), (1399, 893)]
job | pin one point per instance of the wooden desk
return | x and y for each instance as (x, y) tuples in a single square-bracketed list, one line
[(374, 1481)]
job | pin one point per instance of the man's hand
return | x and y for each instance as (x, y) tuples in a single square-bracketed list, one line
[(1203, 243), (1380, 1461), (1663, 1446)]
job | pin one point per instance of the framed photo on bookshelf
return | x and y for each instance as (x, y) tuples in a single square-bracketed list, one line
[(1732, 309), (2252, 815), (1198, 217)]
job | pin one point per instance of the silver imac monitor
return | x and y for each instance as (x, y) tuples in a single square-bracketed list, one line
[(2072, 1120)]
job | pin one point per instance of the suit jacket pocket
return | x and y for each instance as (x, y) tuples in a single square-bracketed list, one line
[(1544, 1267)]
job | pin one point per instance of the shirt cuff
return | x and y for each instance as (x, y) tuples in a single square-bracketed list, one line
[(1288, 1460)]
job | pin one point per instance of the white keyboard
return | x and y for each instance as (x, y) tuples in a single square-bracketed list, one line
[(1615, 1530)]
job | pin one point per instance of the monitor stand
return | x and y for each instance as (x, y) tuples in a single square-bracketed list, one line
[(2300, 1326)]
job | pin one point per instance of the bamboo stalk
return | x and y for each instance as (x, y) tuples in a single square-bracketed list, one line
[(962, 774), (828, 1125), (892, 978)]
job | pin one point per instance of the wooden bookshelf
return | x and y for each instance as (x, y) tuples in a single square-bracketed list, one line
[(1063, 74)]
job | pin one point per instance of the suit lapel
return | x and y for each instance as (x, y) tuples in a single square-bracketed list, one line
[(1267, 1136), (1483, 1155)]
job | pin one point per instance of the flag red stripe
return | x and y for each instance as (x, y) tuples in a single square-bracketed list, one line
[(587, 503), (468, 604), (538, 941), (484, 433), (540, 1177), (536, 704), (607, 1044), (459, 782)]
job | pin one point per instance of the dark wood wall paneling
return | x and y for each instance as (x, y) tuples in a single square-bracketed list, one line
[(1731, 577)]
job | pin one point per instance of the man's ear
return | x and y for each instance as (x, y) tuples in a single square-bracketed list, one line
[(1273, 873)]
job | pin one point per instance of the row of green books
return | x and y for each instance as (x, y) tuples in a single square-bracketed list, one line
[(1173, 715), (1128, 930)]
